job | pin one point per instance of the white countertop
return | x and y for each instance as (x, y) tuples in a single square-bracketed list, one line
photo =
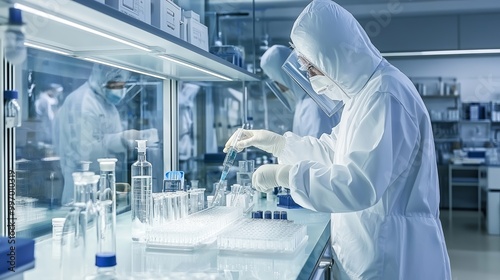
[(137, 262)]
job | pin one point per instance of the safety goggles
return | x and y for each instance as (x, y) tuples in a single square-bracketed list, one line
[(301, 70), (279, 91)]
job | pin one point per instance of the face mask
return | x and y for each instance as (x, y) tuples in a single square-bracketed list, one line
[(324, 85), (114, 96)]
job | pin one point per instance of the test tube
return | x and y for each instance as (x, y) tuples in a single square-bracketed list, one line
[(106, 221)]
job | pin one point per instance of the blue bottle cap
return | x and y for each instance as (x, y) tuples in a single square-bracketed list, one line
[(105, 259), (268, 215), (15, 16), (276, 215), (284, 215), (10, 94), (257, 214)]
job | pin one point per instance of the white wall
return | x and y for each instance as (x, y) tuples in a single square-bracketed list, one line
[(479, 76)]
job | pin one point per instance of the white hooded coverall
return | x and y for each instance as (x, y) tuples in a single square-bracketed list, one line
[(87, 127), (308, 118), (376, 173)]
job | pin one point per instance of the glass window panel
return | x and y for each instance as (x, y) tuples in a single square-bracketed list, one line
[(217, 111), (66, 121)]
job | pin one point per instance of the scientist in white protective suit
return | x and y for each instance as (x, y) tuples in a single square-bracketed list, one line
[(88, 126), (376, 172), (308, 118)]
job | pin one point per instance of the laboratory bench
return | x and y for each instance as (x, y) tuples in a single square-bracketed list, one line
[(137, 261), (484, 180)]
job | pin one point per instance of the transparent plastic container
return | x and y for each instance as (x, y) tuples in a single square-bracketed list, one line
[(106, 209), (263, 236), (142, 180)]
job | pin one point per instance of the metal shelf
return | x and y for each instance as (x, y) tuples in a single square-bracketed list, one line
[(90, 30)]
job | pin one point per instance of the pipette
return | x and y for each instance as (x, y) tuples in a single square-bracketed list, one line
[(228, 163)]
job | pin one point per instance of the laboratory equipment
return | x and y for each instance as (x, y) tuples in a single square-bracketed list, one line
[(226, 165), (106, 211), (219, 198), (244, 190), (105, 267), (285, 200), (57, 228), (15, 50), (142, 179), (193, 231), (174, 181), (73, 235), (263, 236)]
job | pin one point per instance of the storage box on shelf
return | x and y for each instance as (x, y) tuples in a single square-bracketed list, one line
[(140, 9)]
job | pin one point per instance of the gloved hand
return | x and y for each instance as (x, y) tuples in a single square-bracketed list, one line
[(129, 136), (269, 176), (263, 139)]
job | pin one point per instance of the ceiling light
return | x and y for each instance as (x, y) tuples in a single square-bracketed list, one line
[(77, 25), (125, 68), (178, 61), (443, 52), (46, 48)]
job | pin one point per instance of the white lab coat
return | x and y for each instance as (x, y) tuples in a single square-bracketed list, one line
[(86, 128), (46, 107), (310, 120), (376, 173)]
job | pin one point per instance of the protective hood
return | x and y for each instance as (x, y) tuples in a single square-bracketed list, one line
[(271, 63), (102, 74), (188, 93), (334, 42)]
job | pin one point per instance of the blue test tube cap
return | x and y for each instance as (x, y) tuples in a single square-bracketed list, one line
[(257, 215), (268, 215), (284, 215), (105, 259), (276, 215)]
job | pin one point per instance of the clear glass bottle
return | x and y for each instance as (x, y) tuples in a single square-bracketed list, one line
[(106, 210), (141, 193)]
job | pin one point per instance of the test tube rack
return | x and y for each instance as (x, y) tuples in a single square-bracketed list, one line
[(263, 236), (196, 230)]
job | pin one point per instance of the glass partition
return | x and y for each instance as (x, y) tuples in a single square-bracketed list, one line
[(76, 111), (214, 113)]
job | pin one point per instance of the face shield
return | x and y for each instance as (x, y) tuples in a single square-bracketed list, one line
[(301, 71), (281, 93)]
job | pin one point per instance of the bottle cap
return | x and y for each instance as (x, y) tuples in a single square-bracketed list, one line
[(85, 165), (105, 259), (107, 164), (10, 94), (15, 16), (141, 145)]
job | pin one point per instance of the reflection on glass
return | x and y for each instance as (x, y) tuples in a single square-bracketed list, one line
[(78, 111)]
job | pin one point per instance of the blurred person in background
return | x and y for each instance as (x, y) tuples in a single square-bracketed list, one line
[(88, 126), (46, 107)]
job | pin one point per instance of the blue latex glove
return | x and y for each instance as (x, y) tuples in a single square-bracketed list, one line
[(269, 176)]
